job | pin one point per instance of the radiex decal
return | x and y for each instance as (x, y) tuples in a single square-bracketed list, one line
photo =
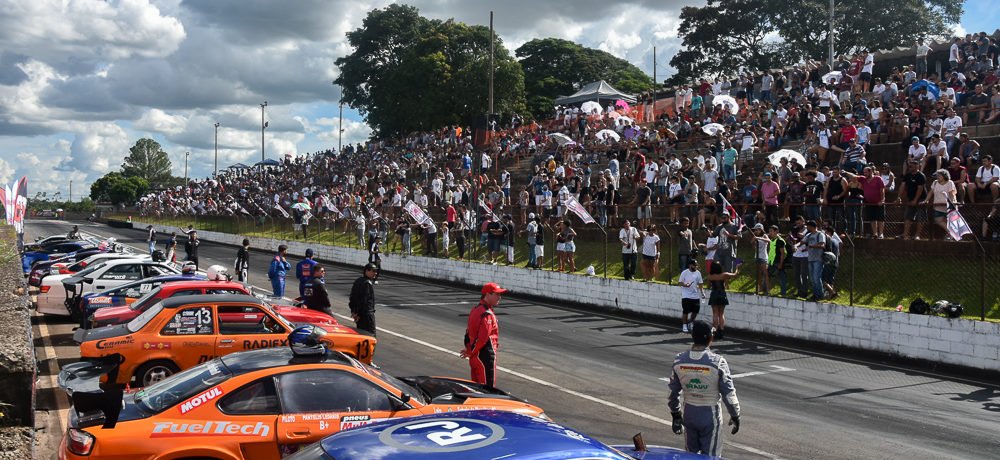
[(178, 430), (105, 344), (203, 398)]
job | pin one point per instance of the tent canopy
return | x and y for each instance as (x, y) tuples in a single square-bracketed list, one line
[(598, 90), (239, 166), (268, 162)]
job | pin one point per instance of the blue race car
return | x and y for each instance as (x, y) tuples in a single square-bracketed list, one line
[(50, 251), (475, 434), (125, 294)]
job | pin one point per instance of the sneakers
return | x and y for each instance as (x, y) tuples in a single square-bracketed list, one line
[(685, 328)]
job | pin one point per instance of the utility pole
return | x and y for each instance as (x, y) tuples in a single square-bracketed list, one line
[(186, 155), (71, 191), (654, 83), (492, 39), (263, 124), (216, 148), (340, 127), (831, 35)]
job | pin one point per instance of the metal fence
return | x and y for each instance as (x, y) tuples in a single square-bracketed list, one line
[(882, 273)]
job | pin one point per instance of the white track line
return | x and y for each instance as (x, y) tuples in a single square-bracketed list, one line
[(52, 379)]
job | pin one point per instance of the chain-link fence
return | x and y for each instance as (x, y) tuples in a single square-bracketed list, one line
[(870, 271)]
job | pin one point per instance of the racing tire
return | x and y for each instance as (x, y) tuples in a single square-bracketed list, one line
[(154, 371)]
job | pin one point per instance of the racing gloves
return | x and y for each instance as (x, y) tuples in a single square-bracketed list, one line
[(678, 424), (735, 423)]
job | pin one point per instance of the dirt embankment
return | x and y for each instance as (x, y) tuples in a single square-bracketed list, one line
[(17, 358)]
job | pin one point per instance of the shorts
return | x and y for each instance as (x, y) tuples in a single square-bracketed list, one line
[(649, 258), (812, 212), (940, 214), (539, 250), (874, 212), (829, 273), (493, 244), (569, 246), (866, 76), (761, 261), (915, 214), (560, 247), (690, 306), (644, 212), (506, 193), (539, 199), (718, 299), (746, 155)]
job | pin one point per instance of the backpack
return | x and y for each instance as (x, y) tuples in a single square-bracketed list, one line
[(919, 307)]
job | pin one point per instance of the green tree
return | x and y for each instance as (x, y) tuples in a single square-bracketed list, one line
[(863, 24), (726, 36), (554, 67), (148, 161), (118, 189), (407, 72)]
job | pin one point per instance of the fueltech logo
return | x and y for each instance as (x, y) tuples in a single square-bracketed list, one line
[(179, 430), (200, 399)]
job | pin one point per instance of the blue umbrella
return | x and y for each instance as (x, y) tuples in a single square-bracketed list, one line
[(931, 87)]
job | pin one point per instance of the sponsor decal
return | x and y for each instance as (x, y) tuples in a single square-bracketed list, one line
[(696, 384), (105, 344), (322, 416), (701, 369), (156, 345), (198, 400), (101, 300), (264, 343), (179, 430), (354, 421), (444, 435)]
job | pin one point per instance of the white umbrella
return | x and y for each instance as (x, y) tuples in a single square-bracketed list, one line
[(775, 158), (606, 134), (713, 128), (561, 138), (728, 102), (833, 77), (614, 114), (591, 107), (623, 120)]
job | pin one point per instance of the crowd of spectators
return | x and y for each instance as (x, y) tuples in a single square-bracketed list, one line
[(701, 165)]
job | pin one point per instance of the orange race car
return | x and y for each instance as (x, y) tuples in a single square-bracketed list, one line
[(255, 405), (181, 332)]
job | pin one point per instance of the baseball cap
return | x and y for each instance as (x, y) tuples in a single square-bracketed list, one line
[(309, 252), (767, 174), (531, 215), (915, 138), (370, 266), (758, 226), (492, 288)]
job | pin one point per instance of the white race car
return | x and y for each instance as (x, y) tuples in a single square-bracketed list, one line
[(97, 277)]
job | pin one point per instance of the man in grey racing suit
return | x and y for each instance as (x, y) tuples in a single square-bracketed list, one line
[(704, 378)]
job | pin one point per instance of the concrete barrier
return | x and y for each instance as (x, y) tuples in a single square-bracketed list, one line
[(959, 342)]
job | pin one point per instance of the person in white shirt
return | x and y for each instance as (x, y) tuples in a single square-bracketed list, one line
[(825, 96), (987, 178), (917, 152), (953, 54), (692, 291), (922, 50), (651, 169), (937, 153), (866, 71), (628, 236), (942, 196), (952, 127)]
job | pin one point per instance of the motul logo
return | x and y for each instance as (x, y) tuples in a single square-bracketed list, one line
[(203, 398)]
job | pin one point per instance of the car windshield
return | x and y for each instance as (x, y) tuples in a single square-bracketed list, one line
[(90, 269), (165, 393), (284, 321), (142, 302), (140, 321), (400, 385)]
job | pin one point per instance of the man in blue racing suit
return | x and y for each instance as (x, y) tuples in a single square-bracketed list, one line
[(704, 378)]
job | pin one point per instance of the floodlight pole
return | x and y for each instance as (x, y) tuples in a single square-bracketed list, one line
[(831, 35), (216, 148), (262, 126)]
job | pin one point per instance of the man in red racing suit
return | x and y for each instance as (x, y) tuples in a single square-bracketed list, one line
[(482, 336)]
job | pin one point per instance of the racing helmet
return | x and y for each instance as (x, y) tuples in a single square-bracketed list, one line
[(307, 340), (189, 268), (217, 273), (158, 256)]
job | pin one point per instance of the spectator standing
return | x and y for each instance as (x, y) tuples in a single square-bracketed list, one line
[(815, 242), (151, 238), (362, 299), (530, 230), (728, 235), (777, 254), (445, 238), (650, 252), (430, 244), (278, 270), (834, 196), (761, 254), (704, 379), (242, 265), (304, 271), (628, 236), (921, 61), (191, 247), (375, 254), (942, 196), (685, 245), (482, 336), (800, 257), (718, 299), (569, 245), (853, 205), (769, 191), (494, 238), (912, 192), (692, 291), (874, 190), (171, 247), (831, 262), (314, 293), (508, 237)]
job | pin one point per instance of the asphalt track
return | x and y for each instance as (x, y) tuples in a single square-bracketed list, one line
[(606, 375)]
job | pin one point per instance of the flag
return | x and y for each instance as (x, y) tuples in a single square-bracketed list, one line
[(372, 213), (573, 205), (735, 216), (345, 213), (242, 209), (329, 206), (489, 211), (957, 226), (281, 210), (418, 214)]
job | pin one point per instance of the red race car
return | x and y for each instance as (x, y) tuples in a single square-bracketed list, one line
[(108, 316)]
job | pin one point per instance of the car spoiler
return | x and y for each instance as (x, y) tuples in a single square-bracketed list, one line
[(94, 402)]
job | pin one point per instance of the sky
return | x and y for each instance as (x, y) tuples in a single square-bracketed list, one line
[(82, 80)]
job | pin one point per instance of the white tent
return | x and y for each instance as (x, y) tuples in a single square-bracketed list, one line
[(596, 91)]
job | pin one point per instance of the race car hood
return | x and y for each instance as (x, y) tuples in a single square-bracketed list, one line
[(661, 453), (299, 316), (114, 315), (444, 390)]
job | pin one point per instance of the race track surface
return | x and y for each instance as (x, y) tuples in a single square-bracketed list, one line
[(606, 375)]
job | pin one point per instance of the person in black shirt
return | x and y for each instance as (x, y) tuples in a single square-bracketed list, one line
[(191, 248), (913, 191), (242, 265), (494, 237), (362, 300), (314, 291), (812, 193)]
